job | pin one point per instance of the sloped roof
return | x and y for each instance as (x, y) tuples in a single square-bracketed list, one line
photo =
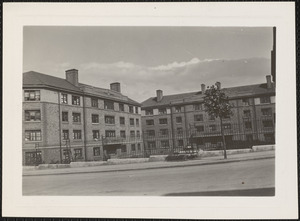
[(36, 79), (232, 92)]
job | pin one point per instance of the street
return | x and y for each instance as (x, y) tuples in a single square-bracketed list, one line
[(245, 178)]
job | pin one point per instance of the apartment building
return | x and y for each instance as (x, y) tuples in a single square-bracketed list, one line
[(65, 120), (177, 121)]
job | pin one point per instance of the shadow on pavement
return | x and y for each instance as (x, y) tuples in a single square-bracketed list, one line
[(245, 192)]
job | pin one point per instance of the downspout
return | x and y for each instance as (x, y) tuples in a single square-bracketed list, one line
[(84, 128), (172, 127), (59, 125), (185, 124)]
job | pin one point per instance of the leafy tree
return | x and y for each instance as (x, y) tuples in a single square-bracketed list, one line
[(216, 104)]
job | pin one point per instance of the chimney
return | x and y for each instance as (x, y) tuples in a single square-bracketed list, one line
[(72, 76), (159, 95), (269, 84), (218, 85), (116, 86), (203, 88)]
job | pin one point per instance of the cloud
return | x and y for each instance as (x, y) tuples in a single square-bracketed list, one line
[(140, 82)]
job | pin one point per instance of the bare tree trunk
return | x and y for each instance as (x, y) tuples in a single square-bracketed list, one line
[(223, 137)]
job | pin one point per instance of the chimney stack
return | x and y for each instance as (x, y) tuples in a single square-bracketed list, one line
[(159, 95), (218, 85), (203, 88), (72, 76), (116, 86), (269, 84)]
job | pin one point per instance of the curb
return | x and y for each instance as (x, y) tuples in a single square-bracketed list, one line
[(151, 168)]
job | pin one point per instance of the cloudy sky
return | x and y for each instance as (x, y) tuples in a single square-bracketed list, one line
[(144, 59)]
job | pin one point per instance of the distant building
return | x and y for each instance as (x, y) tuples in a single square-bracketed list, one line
[(65, 120), (177, 121)]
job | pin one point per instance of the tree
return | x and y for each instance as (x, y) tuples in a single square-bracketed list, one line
[(216, 104)]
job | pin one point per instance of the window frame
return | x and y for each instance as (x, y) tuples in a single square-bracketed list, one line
[(36, 94), (27, 114), (64, 98), (76, 115), (76, 100), (95, 117), (110, 120), (37, 134), (77, 135)]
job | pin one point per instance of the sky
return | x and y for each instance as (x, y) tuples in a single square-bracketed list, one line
[(144, 59)]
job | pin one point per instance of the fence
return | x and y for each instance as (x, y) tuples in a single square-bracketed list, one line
[(209, 137)]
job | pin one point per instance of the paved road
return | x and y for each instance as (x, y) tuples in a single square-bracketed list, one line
[(248, 176)]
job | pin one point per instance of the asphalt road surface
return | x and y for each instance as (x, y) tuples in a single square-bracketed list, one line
[(245, 178)]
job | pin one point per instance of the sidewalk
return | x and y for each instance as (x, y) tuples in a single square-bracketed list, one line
[(154, 165)]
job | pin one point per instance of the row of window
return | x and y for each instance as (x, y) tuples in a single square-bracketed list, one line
[(76, 117), (77, 135), (198, 107), (199, 117), (212, 127), (34, 95)]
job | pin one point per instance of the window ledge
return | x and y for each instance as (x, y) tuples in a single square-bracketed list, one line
[(33, 121)]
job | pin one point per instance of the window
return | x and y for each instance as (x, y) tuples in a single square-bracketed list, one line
[(248, 125), (132, 147), (211, 117), (130, 109), (247, 113), (132, 133), (33, 135), (123, 134), (162, 110), (65, 134), (267, 123), (139, 147), (32, 95), (163, 121), (138, 134), (163, 132), (178, 120), (179, 131), (136, 110), (151, 145), (149, 112), (96, 151), (78, 153), (164, 143), (178, 109), (180, 143), (110, 133), (75, 100), (109, 119), (77, 134), (264, 100), (267, 112), (65, 117), (33, 115), (227, 126), (109, 105), (94, 102), (198, 117), (95, 118), (122, 120), (137, 122), (96, 134), (212, 127), (121, 107), (76, 117), (131, 122), (197, 106), (149, 122), (64, 98), (200, 128), (245, 101), (151, 133)]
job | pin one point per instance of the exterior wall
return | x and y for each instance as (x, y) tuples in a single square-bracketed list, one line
[(188, 112), (51, 125)]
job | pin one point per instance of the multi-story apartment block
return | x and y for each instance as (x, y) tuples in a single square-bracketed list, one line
[(173, 121), (65, 119)]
